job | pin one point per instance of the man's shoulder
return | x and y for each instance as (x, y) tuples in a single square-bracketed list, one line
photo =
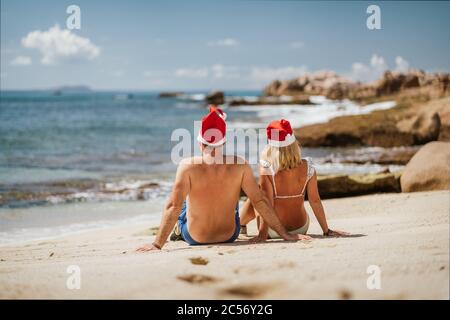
[(189, 162), (234, 159), (227, 160)]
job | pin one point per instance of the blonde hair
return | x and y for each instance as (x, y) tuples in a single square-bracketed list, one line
[(283, 158)]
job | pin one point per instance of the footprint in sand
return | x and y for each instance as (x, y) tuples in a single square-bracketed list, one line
[(287, 264), (199, 261), (248, 290), (345, 294), (198, 278), (147, 232), (247, 269)]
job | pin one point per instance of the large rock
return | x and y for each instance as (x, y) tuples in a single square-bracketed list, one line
[(336, 186), (216, 98), (442, 107), (428, 169)]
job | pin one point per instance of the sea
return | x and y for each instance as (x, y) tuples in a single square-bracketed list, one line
[(73, 161)]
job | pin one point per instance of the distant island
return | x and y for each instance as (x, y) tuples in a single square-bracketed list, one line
[(71, 90)]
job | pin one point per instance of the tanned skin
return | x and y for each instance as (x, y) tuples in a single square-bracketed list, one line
[(211, 185)]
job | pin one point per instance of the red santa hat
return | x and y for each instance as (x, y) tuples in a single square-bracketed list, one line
[(214, 127), (279, 133)]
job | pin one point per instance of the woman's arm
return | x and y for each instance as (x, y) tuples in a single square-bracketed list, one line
[(316, 204)]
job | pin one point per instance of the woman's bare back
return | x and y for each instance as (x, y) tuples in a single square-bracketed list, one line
[(289, 187)]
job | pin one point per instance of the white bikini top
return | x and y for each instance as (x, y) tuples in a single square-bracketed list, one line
[(310, 172)]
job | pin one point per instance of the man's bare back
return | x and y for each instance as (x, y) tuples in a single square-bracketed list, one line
[(213, 194)]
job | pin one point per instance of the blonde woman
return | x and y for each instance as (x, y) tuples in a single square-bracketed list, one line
[(285, 178)]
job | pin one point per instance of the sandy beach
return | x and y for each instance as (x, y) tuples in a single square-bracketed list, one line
[(405, 235)]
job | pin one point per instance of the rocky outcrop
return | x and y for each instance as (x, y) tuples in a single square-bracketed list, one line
[(424, 127), (215, 97), (391, 128), (336, 186), (442, 107), (429, 169), (383, 156), (321, 83), (333, 86)]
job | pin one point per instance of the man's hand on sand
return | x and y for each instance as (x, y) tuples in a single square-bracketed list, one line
[(296, 237), (147, 247)]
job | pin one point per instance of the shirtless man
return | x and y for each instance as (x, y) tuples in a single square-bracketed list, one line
[(211, 184)]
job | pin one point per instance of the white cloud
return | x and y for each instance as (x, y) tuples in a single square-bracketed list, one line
[(227, 42), (220, 71), (21, 61), (297, 45), (267, 74), (194, 73), (371, 72), (216, 71), (376, 68), (148, 74), (117, 73), (401, 64), (58, 45)]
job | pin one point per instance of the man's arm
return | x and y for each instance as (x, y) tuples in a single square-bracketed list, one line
[(172, 209), (267, 189), (262, 205)]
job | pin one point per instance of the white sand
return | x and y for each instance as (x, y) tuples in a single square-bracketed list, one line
[(406, 235)]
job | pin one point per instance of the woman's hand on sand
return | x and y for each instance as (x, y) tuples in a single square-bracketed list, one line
[(296, 237), (147, 247), (336, 233)]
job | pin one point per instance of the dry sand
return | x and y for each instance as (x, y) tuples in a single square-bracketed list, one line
[(406, 235)]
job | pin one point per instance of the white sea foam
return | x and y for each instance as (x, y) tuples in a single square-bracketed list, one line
[(192, 97), (302, 115)]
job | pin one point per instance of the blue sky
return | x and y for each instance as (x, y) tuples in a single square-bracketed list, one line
[(196, 45)]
